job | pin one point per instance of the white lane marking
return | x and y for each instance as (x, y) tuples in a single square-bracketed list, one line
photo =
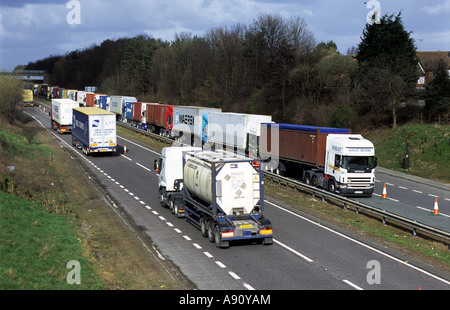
[(126, 157), (142, 147), (235, 276), (353, 285), (143, 167), (360, 243), (293, 251)]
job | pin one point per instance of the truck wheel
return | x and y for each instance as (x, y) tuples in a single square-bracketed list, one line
[(314, 181), (177, 207), (171, 204), (307, 179), (203, 228), (267, 241), (218, 239), (162, 196), (210, 228), (331, 186)]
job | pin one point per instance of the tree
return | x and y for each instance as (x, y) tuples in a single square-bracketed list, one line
[(11, 93), (437, 92), (388, 64)]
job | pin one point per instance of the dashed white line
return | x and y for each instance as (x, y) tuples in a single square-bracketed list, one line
[(143, 167), (416, 191), (197, 246), (293, 251), (127, 157), (235, 276), (187, 238), (249, 287), (208, 254), (353, 285), (220, 264)]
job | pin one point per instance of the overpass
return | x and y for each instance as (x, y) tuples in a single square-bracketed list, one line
[(37, 76)]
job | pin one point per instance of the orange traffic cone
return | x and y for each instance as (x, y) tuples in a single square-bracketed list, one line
[(436, 207), (124, 148), (384, 196)]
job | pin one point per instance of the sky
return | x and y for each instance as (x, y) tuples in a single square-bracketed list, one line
[(35, 29)]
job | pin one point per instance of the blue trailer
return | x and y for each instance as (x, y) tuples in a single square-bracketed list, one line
[(94, 130)]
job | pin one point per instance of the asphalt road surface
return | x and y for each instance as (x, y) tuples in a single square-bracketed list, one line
[(305, 255)]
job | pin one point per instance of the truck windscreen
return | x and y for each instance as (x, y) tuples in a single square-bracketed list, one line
[(359, 163)]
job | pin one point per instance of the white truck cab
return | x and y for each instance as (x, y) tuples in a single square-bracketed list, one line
[(350, 164)]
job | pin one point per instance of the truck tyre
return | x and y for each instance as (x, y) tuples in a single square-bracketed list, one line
[(307, 179), (331, 186), (177, 206), (162, 196), (267, 241), (203, 227), (170, 203), (210, 227), (314, 181), (218, 239)]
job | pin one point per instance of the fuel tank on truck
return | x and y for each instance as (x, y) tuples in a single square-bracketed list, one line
[(237, 186)]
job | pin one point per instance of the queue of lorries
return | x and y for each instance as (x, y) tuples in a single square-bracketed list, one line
[(215, 178)]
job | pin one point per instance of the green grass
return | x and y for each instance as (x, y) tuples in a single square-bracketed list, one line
[(35, 247), (21, 145), (428, 145)]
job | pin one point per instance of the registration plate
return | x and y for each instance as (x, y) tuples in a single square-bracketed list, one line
[(358, 192), (246, 226)]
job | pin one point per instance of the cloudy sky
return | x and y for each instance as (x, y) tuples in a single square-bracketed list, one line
[(35, 29)]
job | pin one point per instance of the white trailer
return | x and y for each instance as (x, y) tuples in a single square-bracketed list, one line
[(118, 105), (189, 124), (235, 131), (61, 114), (220, 192)]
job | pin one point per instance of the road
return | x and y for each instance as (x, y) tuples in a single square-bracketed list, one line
[(414, 191), (305, 255)]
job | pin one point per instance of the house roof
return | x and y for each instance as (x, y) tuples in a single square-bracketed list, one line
[(430, 60)]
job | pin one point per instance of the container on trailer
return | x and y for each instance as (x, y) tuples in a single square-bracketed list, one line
[(61, 114), (189, 123), (94, 130)]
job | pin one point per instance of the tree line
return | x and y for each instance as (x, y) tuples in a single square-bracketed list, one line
[(272, 66)]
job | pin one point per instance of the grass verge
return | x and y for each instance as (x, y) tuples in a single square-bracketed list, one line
[(428, 146), (52, 213)]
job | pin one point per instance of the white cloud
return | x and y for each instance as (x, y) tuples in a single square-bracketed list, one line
[(442, 8)]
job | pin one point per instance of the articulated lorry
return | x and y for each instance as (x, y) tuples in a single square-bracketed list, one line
[(235, 131), (61, 114), (330, 158), (220, 192), (94, 130)]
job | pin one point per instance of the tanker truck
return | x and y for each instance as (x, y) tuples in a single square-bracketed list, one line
[(220, 192), (330, 158)]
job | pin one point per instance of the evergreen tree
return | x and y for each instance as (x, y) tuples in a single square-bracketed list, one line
[(388, 66), (438, 92)]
